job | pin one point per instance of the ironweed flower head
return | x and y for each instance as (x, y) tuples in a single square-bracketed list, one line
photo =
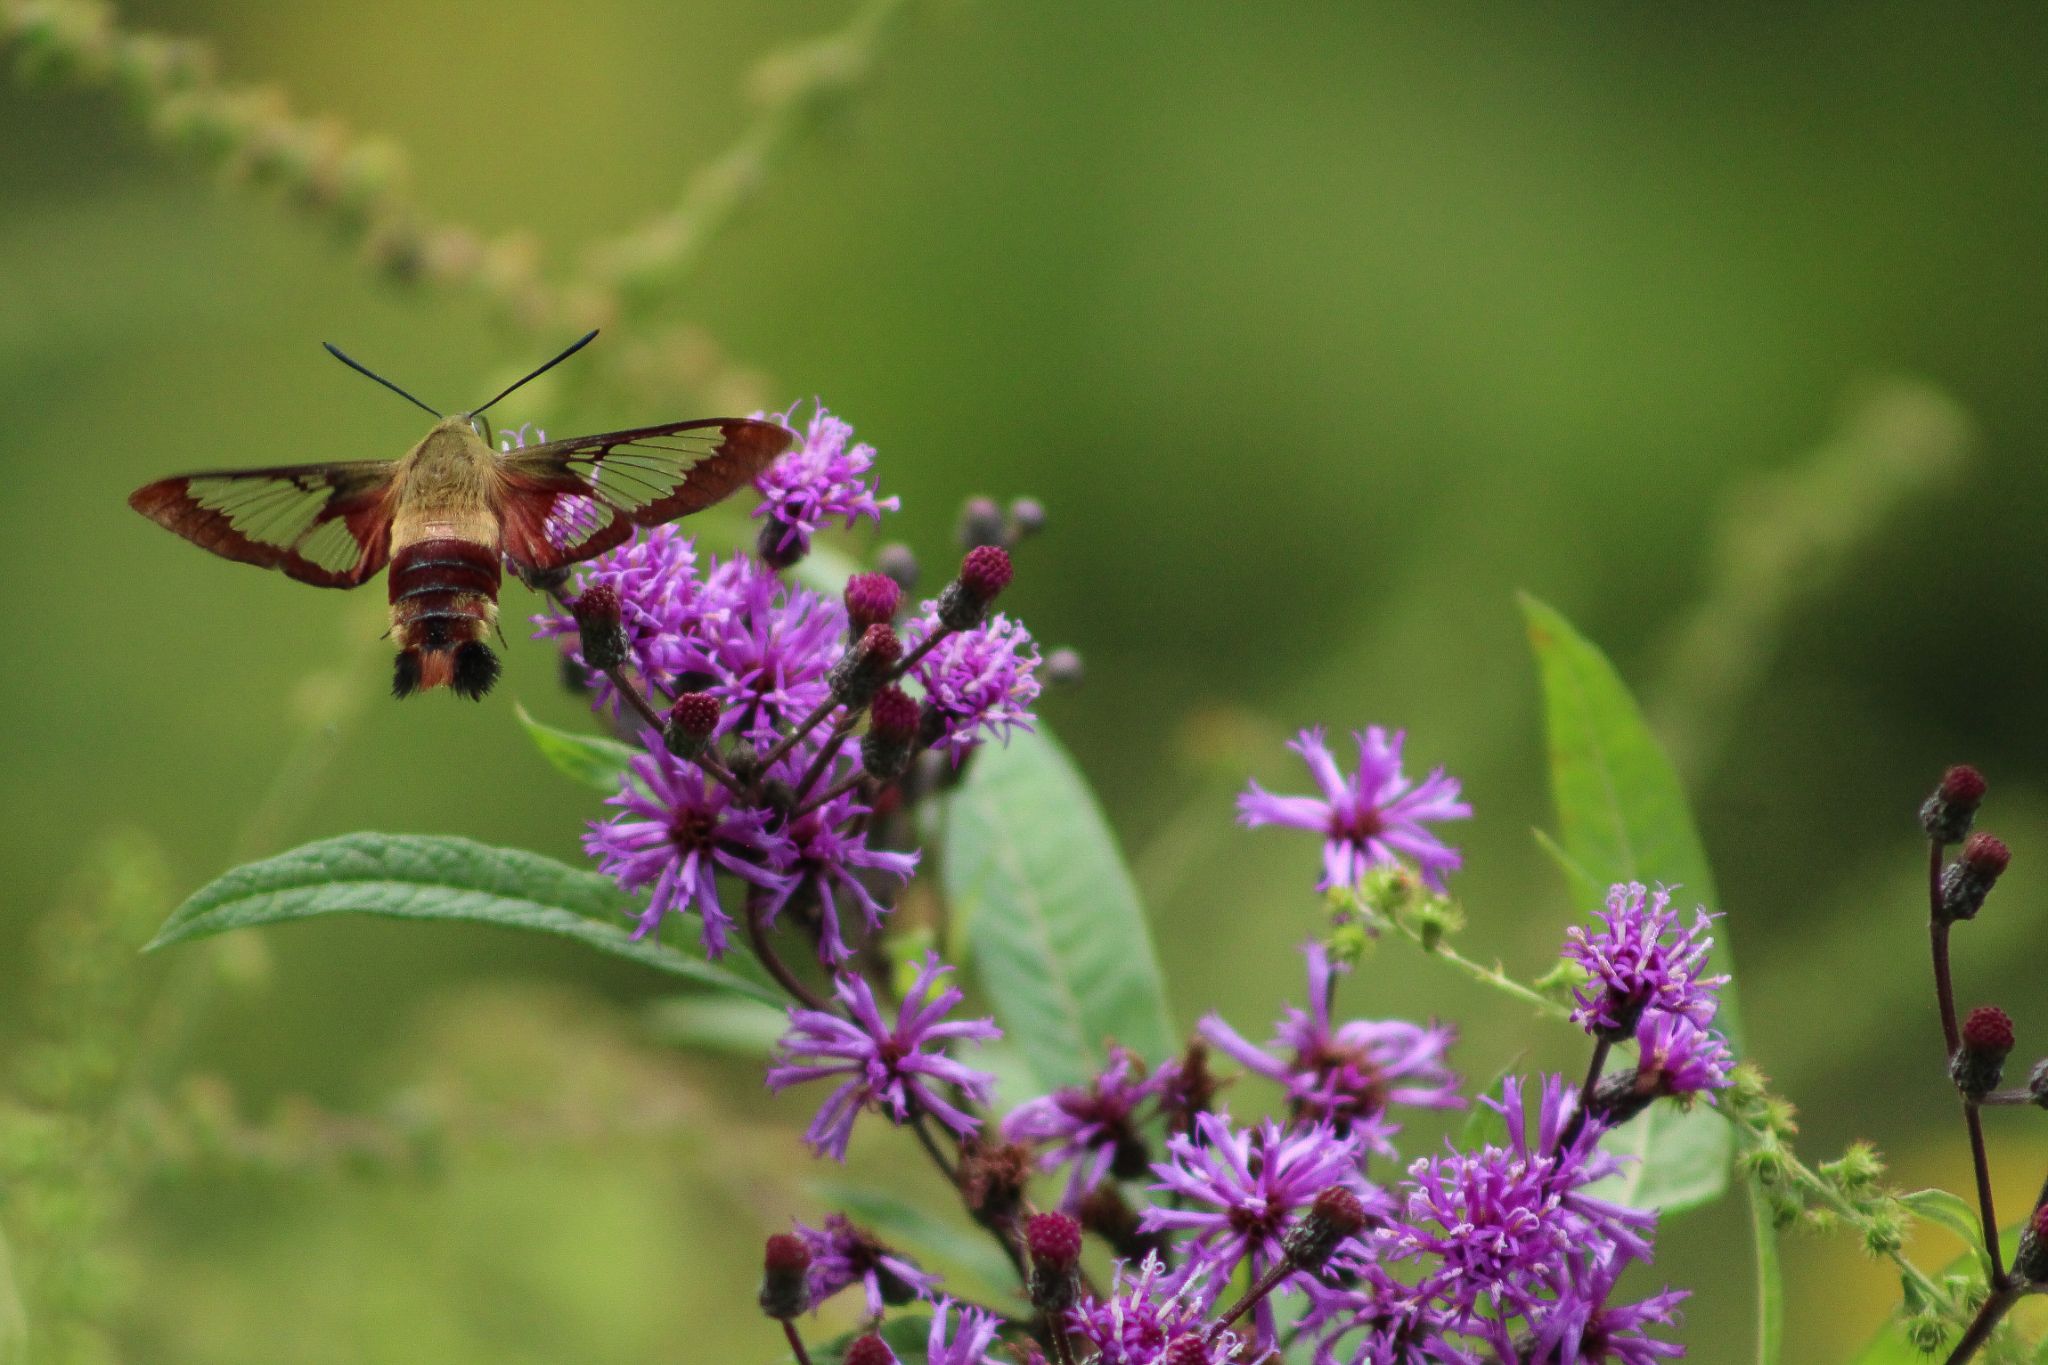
[(829, 864), (964, 1343), (898, 1067), (660, 601), (843, 1254), (1675, 1059), (979, 683), (1347, 1075), (676, 830), (1579, 1322), (1633, 968), (1153, 1317), (1375, 818), (1093, 1127), (766, 653), (826, 478)]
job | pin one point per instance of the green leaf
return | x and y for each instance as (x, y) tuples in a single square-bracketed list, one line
[(1050, 914), (13, 1317), (1623, 816), (592, 760), (733, 1025), (1486, 1126), (1953, 1212), (415, 876), (1675, 1164), (933, 1244)]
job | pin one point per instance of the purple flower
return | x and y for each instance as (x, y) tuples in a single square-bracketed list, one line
[(981, 681), (969, 1345), (1378, 1320), (1633, 968), (1347, 1076), (828, 853), (1242, 1189), (1146, 1314), (1483, 1221), (843, 1254), (766, 653), (1579, 1324), (677, 829), (898, 1068), (819, 480), (1677, 1059), (1373, 820), (661, 600), (1093, 1126)]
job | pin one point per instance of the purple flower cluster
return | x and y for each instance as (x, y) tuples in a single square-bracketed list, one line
[(826, 478), (1375, 818), (1096, 1130)]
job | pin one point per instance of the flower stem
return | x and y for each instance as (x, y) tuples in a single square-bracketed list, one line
[(1973, 1122), (1988, 1317), (796, 1343), (796, 735), (826, 753), (1601, 1047), (1260, 1288), (764, 950)]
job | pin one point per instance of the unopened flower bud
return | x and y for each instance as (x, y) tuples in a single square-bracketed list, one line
[(862, 670), (691, 722), (993, 1176), (785, 1288), (893, 719), (1335, 1215), (1188, 1350), (1947, 814), (1980, 1061), (1027, 518), (1105, 1212), (984, 573), (598, 623), (780, 544), (870, 1350), (2030, 1262), (1969, 879), (981, 523), (896, 562), (1062, 668), (871, 600), (1054, 1241)]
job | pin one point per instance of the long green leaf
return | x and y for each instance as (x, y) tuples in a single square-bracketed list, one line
[(596, 762), (1051, 917), (414, 876), (1623, 816)]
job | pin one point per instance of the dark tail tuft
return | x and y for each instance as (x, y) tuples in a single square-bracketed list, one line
[(476, 668), (405, 673)]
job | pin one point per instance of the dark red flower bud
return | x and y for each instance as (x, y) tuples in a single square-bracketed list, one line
[(871, 599), (1969, 879), (1027, 518), (981, 523), (870, 1350), (2030, 1262), (784, 1285), (691, 722), (892, 730), (1054, 1241), (984, 573), (862, 670), (1947, 814), (993, 1176), (1980, 1061), (1335, 1215), (598, 623), (1190, 1350)]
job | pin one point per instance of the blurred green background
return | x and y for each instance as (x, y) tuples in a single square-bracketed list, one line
[(1320, 329)]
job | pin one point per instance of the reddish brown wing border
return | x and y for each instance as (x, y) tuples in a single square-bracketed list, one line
[(533, 479), (358, 494)]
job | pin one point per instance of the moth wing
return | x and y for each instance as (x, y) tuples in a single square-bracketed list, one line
[(566, 501), (324, 524)]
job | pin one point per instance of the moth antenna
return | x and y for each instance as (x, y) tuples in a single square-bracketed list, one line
[(586, 339), (361, 369)]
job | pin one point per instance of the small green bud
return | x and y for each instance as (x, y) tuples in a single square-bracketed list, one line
[(1883, 1235), (1856, 1169), (1927, 1332), (1765, 1163)]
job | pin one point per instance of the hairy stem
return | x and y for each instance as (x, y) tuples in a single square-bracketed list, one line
[(1986, 1322)]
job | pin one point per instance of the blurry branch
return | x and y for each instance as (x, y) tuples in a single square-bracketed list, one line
[(359, 186), (1783, 539)]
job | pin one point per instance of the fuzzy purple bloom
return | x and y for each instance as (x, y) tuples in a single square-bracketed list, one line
[(1147, 1313), (981, 681), (899, 1068), (1633, 968), (843, 1254), (766, 653), (1095, 1127), (1347, 1075), (1578, 1323), (968, 1344), (661, 600), (1677, 1059), (1482, 1221), (822, 479), (828, 853), (1375, 818), (677, 829), (1241, 1190)]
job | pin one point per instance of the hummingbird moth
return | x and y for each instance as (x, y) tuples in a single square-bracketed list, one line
[(452, 509)]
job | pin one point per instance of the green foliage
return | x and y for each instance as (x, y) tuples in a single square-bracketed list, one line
[(1049, 913), (717, 1023), (592, 760), (422, 877)]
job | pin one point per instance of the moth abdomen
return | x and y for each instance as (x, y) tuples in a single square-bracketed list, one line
[(444, 600)]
